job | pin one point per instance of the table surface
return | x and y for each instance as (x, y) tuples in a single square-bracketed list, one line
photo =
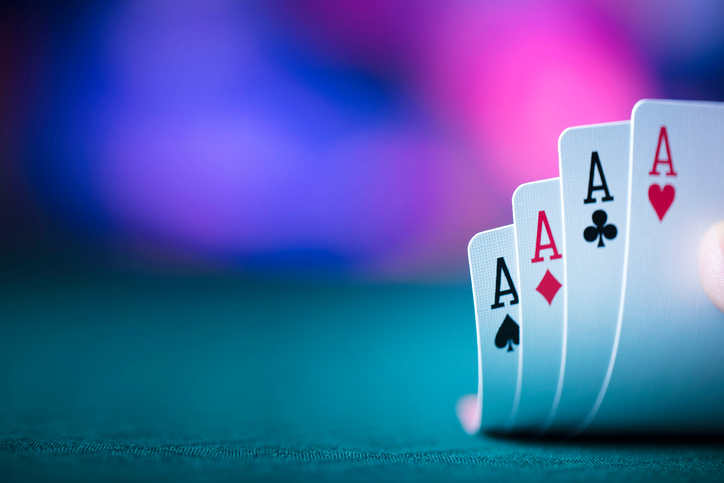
[(107, 375)]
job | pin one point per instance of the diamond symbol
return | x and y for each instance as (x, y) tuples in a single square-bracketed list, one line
[(548, 287)]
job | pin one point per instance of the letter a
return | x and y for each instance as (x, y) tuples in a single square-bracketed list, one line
[(503, 268), (663, 136), (596, 163), (543, 221)]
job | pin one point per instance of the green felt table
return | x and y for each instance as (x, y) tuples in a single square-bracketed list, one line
[(106, 375)]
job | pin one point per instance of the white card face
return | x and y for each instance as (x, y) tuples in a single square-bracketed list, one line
[(594, 188), (539, 245), (494, 272), (668, 365)]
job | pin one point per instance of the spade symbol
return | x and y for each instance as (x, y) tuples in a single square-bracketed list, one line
[(601, 229), (508, 334)]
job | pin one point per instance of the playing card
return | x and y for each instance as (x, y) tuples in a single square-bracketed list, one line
[(539, 246), (494, 273), (667, 368), (594, 190)]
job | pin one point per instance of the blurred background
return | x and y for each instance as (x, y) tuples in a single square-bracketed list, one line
[(365, 140), (233, 233)]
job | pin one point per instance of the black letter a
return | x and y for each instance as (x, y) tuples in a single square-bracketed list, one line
[(603, 186), (503, 268)]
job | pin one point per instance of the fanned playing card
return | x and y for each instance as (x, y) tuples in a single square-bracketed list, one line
[(538, 238), (594, 189), (667, 369), (494, 274)]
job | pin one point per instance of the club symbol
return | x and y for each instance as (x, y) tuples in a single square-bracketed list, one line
[(601, 229), (508, 334)]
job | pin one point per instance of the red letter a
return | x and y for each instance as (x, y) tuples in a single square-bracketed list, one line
[(663, 136), (543, 221)]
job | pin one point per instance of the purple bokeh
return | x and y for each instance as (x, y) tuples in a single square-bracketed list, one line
[(370, 139)]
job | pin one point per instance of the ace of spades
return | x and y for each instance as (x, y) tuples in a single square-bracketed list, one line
[(508, 334), (494, 274)]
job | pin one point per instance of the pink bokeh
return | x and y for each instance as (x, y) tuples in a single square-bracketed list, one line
[(513, 76)]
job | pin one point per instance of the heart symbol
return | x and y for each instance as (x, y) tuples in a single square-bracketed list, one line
[(661, 198)]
